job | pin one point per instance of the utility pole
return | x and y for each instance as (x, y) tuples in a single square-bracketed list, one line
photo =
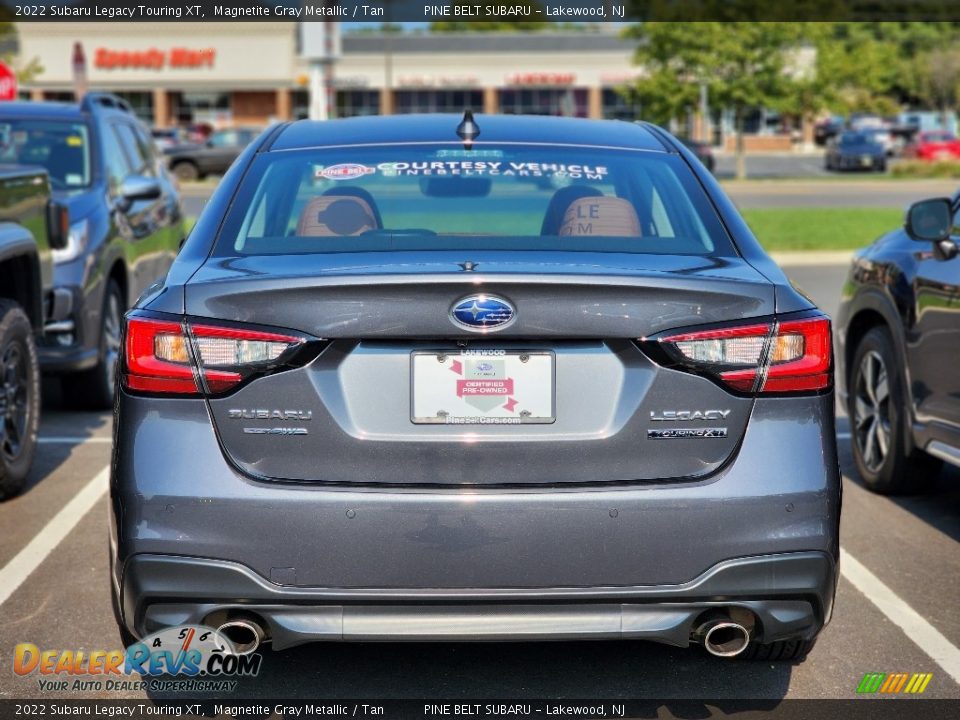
[(79, 66), (704, 116), (320, 46)]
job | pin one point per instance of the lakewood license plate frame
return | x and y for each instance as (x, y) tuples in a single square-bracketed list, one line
[(466, 385)]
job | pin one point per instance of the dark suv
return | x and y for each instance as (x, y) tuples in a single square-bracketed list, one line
[(897, 339), (126, 226)]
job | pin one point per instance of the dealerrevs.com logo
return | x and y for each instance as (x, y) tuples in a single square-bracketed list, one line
[(184, 658)]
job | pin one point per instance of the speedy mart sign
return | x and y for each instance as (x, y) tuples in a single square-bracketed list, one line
[(153, 58)]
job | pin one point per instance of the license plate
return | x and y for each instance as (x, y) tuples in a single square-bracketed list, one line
[(482, 387), (866, 160)]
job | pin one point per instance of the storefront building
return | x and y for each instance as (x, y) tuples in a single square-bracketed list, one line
[(171, 73), (232, 74), (575, 74)]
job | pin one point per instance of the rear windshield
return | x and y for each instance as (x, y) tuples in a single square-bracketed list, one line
[(62, 147), (445, 197)]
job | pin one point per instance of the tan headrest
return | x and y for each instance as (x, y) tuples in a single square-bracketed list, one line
[(336, 216), (603, 216)]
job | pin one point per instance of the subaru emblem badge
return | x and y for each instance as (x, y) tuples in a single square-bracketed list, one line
[(482, 313)]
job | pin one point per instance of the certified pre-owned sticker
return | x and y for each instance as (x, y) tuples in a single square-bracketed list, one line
[(344, 171), (686, 433)]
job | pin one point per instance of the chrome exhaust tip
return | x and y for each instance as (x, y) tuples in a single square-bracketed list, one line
[(244, 635), (725, 638)]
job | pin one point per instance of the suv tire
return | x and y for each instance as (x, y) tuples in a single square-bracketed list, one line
[(877, 407), (19, 398), (93, 389)]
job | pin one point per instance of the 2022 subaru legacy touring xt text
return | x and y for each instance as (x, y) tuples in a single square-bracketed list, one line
[(426, 378)]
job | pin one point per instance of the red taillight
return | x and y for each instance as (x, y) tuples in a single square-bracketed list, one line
[(775, 357), (167, 357), (145, 371), (810, 371)]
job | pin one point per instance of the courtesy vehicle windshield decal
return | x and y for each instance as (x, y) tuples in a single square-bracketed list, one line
[(492, 167)]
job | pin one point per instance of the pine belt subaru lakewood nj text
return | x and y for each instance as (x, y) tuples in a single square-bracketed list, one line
[(444, 378)]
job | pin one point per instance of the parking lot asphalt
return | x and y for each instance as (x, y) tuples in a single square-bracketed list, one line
[(896, 610)]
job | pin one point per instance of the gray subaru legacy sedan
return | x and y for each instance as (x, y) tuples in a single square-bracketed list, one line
[(476, 378)]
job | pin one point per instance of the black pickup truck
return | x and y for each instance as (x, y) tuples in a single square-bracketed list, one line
[(31, 226)]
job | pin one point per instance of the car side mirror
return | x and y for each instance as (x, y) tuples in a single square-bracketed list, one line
[(136, 188), (932, 221), (929, 220)]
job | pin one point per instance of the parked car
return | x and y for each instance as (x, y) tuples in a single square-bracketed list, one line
[(923, 121), (31, 226), (193, 161), (932, 146), (858, 122), (702, 151), (898, 331), (884, 138), (198, 132), (827, 129), (125, 227), (583, 408), (855, 151), (165, 138)]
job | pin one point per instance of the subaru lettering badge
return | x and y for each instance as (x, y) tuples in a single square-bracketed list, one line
[(482, 313)]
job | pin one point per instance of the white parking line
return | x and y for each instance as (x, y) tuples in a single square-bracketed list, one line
[(67, 440), (925, 635), (15, 572)]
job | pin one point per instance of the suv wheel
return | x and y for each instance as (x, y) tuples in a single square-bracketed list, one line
[(878, 413), (186, 171), (94, 388), (19, 398)]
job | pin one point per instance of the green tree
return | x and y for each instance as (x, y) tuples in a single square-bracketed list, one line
[(936, 80), (743, 66), (847, 69), (880, 66)]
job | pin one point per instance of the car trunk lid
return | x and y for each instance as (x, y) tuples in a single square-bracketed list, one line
[(361, 411)]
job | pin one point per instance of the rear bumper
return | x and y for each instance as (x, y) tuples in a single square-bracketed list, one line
[(791, 595), (191, 535), (857, 163)]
